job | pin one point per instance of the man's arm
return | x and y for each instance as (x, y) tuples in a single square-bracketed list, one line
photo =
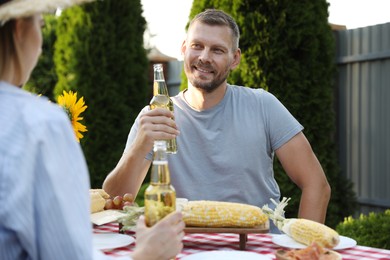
[(304, 169), (129, 173)]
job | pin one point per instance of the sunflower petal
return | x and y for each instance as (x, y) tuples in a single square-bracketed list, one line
[(73, 107)]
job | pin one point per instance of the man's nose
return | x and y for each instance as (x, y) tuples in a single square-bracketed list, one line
[(205, 55)]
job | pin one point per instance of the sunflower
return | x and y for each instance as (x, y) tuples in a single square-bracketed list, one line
[(68, 101)]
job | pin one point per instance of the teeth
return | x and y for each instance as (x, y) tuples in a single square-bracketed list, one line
[(203, 70)]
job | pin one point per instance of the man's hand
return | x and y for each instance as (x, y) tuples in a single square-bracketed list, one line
[(156, 124)]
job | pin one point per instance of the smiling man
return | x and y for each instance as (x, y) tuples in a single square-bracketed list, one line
[(228, 134)]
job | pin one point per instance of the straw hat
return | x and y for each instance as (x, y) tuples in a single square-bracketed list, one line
[(11, 9)]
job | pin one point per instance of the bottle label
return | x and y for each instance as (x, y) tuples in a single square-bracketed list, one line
[(160, 162)]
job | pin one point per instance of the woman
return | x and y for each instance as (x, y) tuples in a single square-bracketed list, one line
[(44, 180)]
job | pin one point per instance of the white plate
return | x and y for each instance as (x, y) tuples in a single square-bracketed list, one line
[(226, 255), (286, 241), (111, 240)]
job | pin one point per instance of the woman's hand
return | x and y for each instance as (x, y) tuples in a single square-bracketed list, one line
[(162, 241)]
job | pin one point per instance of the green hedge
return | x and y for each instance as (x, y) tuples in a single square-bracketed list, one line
[(368, 230), (100, 54)]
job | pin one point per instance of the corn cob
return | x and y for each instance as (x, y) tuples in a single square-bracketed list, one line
[(222, 214), (302, 230)]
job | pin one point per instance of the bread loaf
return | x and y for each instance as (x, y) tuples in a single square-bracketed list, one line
[(98, 200), (102, 193)]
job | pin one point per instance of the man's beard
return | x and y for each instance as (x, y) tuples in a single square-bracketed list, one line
[(208, 86)]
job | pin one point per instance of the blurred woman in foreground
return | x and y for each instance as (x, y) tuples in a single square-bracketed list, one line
[(44, 179)]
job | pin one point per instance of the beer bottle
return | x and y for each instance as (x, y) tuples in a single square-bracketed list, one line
[(161, 99), (160, 196)]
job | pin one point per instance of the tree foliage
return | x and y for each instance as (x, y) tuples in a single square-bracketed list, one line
[(288, 49), (100, 54)]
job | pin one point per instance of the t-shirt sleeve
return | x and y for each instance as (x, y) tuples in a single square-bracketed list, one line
[(282, 125)]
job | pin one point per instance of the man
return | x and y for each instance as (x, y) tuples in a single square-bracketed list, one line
[(228, 134), (44, 181)]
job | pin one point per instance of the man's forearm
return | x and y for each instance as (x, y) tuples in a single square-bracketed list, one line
[(314, 203), (127, 176)]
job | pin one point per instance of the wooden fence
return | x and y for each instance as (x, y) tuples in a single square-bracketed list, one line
[(363, 94)]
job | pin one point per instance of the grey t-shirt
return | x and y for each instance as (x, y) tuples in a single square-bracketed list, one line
[(226, 153)]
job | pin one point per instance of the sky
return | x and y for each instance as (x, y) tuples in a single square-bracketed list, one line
[(167, 19)]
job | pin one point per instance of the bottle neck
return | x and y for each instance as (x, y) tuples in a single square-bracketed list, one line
[(160, 88), (160, 171), (158, 72), (159, 85)]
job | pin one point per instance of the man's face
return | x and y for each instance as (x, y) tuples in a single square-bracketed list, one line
[(208, 55)]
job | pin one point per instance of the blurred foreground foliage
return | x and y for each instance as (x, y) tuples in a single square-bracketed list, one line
[(371, 230)]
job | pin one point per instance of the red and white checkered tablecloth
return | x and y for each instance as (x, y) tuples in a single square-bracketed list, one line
[(258, 243)]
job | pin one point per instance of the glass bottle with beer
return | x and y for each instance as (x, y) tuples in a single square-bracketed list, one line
[(160, 195), (161, 99)]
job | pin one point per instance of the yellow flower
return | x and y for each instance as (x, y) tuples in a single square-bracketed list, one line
[(68, 101)]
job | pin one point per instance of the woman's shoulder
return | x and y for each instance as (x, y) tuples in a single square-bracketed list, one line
[(42, 109)]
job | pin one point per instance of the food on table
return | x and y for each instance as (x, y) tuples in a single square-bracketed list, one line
[(102, 193), (97, 201), (205, 213), (101, 200), (119, 202), (129, 221), (109, 204), (128, 197), (216, 214), (302, 230), (312, 252)]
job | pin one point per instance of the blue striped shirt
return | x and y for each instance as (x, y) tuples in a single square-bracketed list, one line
[(44, 182)]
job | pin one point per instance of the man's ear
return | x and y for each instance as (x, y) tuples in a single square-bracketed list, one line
[(236, 59), (183, 47)]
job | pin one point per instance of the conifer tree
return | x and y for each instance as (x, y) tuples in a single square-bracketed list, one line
[(100, 54)]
